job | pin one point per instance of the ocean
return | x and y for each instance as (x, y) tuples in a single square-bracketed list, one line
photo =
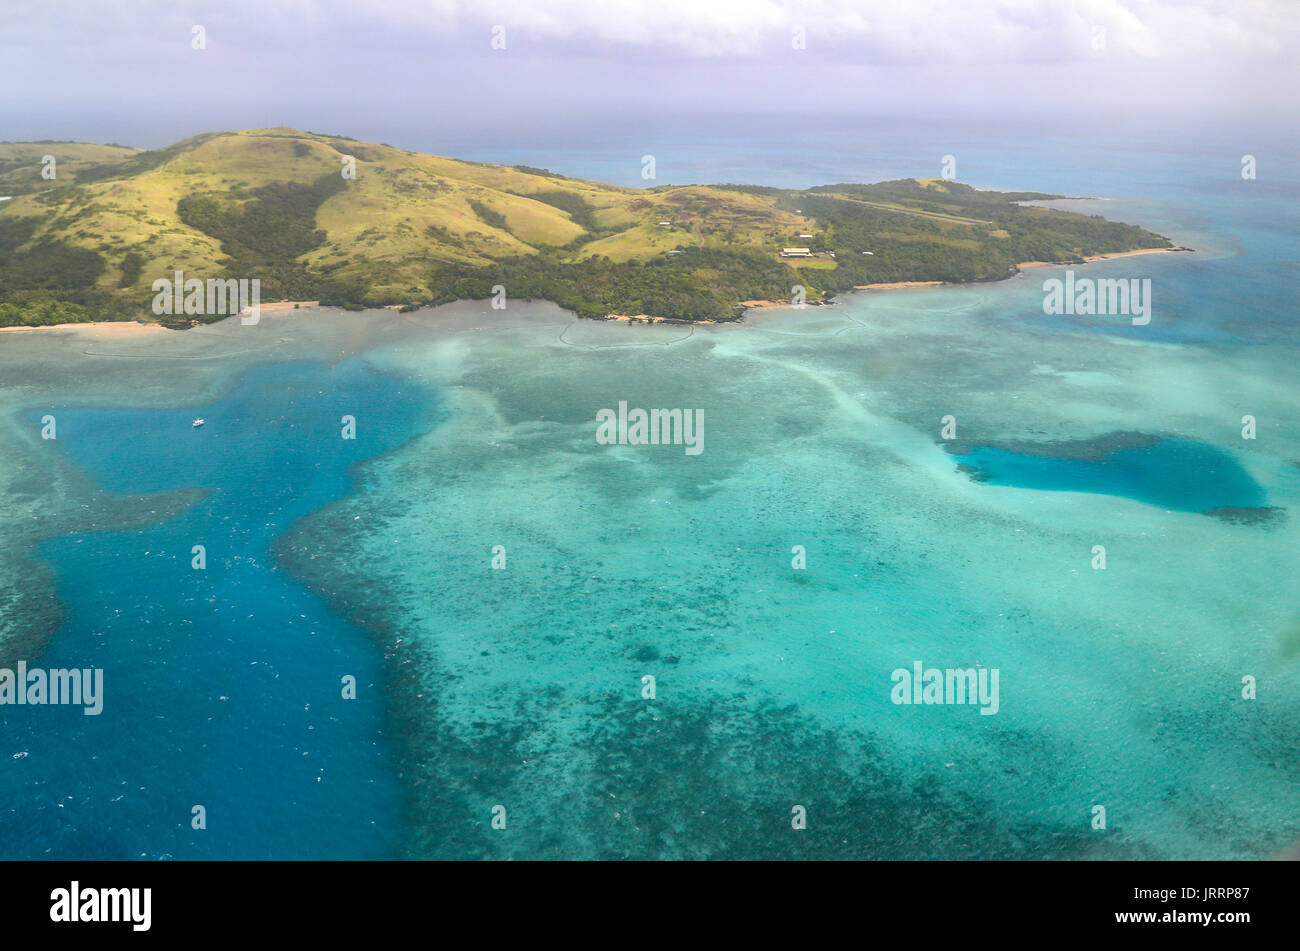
[(565, 649)]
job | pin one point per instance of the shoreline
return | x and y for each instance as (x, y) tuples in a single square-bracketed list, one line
[(278, 305), (648, 319), (1103, 257), (101, 328), (133, 328), (892, 285)]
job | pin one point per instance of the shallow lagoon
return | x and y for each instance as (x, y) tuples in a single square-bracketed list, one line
[(1119, 686)]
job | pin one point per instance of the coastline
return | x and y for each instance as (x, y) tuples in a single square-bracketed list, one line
[(136, 328), (97, 328), (648, 319), (899, 285), (133, 328), (890, 285), (1022, 265), (278, 305), (1103, 257)]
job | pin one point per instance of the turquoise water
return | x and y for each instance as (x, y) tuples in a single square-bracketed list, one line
[(222, 685), (1178, 474), (521, 687)]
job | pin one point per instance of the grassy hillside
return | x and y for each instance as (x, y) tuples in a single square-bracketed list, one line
[(414, 229), (21, 163)]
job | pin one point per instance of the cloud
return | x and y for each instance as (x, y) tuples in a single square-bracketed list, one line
[(937, 31), (917, 30), (273, 62)]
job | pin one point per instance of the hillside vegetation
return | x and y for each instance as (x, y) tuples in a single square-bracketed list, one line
[(412, 229)]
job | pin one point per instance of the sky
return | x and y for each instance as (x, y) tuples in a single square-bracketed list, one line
[(408, 72)]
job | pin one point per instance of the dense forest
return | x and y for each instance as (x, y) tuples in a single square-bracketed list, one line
[(697, 284), (51, 282), (264, 231)]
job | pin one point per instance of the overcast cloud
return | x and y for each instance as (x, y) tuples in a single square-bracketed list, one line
[(89, 69)]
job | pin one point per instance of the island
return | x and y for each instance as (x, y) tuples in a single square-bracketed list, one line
[(89, 229)]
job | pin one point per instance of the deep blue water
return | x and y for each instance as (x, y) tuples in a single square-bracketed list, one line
[(1179, 474), (222, 686)]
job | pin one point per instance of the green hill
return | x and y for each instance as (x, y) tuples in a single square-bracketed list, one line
[(413, 229)]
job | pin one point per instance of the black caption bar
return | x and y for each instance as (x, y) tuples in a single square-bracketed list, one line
[(1219, 900)]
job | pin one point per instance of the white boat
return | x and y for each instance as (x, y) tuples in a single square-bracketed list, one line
[(197, 423)]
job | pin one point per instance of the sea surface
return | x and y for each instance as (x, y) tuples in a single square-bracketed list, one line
[(519, 693)]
